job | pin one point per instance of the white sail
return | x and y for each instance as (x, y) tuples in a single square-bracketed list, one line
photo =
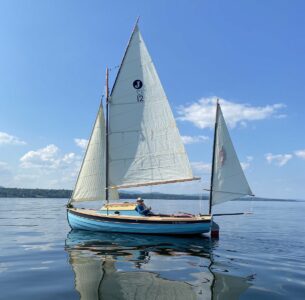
[(145, 146), (90, 185), (229, 181), (88, 272)]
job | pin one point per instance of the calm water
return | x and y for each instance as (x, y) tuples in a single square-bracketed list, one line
[(258, 256)]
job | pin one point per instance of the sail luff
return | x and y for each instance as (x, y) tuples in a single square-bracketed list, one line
[(213, 159)]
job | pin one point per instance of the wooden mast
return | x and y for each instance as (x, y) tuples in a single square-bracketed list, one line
[(213, 157), (107, 134)]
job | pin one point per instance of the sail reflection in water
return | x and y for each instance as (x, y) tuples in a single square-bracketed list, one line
[(120, 266)]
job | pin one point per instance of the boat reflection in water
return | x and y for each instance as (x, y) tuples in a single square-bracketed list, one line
[(122, 266)]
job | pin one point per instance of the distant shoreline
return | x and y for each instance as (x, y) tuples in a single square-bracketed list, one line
[(62, 193), (52, 193)]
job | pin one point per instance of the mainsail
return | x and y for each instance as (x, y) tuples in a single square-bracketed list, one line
[(229, 181), (144, 144), (90, 183), (145, 147)]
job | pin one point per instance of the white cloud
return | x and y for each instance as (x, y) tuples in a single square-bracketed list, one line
[(202, 112), (201, 167), (278, 159), (7, 139), (48, 158), (186, 139), (82, 143), (23, 179), (47, 167), (4, 166), (45, 157), (69, 158), (300, 154), (246, 164)]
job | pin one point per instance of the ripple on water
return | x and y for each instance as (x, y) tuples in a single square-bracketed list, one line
[(248, 261)]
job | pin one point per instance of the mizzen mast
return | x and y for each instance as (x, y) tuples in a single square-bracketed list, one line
[(213, 157)]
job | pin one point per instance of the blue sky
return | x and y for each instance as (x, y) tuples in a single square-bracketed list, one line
[(53, 56)]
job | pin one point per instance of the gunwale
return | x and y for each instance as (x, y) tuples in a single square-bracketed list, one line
[(92, 214)]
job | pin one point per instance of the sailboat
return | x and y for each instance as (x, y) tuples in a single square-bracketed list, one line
[(138, 144)]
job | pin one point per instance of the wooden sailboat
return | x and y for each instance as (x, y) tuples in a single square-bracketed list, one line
[(139, 145)]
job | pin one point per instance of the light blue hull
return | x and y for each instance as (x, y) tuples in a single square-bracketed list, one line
[(84, 222)]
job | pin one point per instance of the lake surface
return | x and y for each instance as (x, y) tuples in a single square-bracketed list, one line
[(258, 256)]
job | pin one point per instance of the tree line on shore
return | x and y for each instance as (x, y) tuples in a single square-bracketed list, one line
[(62, 193)]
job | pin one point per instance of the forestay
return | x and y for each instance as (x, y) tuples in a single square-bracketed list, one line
[(145, 146), (90, 183), (229, 181)]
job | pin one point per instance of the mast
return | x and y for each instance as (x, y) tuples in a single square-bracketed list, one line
[(107, 130), (107, 113), (213, 157)]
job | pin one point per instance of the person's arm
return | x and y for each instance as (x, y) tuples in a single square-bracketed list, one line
[(146, 208), (140, 209)]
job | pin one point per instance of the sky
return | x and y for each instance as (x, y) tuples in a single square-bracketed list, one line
[(249, 54)]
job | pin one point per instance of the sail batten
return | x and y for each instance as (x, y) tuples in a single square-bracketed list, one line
[(229, 181)]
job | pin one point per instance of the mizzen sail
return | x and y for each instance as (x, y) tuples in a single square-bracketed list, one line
[(145, 146), (229, 181)]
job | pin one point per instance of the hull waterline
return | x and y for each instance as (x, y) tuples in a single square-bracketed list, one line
[(87, 220)]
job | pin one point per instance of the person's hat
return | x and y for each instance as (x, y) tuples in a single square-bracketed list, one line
[(139, 199)]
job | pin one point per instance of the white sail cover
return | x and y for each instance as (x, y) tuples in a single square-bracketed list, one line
[(90, 185), (145, 146), (229, 181)]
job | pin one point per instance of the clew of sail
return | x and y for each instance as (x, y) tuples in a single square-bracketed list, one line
[(229, 181), (90, 185), (145, 147)]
